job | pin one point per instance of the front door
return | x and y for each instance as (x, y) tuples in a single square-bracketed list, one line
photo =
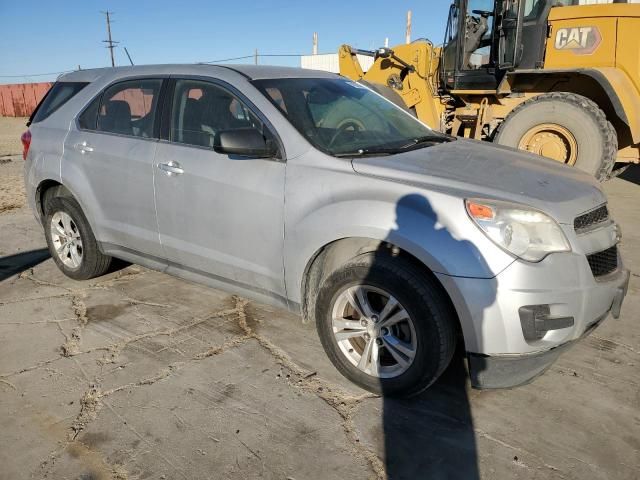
[(220, 215), (108, 162), (510, 34)]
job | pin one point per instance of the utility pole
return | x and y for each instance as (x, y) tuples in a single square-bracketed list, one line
[(408, 31), (111, 44), (315, 43), (255, 56)]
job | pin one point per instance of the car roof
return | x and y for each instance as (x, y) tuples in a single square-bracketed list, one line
[(251, 72)]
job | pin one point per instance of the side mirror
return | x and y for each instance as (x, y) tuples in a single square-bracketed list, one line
[(247, 142)]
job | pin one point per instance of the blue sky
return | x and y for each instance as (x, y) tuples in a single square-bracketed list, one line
[(41, 37)]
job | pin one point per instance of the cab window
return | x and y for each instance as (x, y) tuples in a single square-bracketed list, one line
[(533, 9), (478, 34)]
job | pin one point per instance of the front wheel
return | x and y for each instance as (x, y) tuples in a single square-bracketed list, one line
[(386, 325), (564, 127)]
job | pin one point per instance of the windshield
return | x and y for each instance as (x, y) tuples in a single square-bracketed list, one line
[(341, 117)]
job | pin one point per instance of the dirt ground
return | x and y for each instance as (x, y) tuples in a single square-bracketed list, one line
[(11, 182), (10, 131), (139, 375)]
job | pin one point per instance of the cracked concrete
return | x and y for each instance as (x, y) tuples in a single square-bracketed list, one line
[(140, 375)]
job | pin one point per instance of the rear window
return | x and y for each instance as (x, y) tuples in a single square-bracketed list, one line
[(57, 96)]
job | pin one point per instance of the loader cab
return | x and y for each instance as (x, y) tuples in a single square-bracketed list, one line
[(486, 38)]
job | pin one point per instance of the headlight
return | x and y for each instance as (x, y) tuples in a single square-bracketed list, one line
[(522, 231)]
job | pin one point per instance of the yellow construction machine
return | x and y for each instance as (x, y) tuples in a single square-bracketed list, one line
[(547, 76)]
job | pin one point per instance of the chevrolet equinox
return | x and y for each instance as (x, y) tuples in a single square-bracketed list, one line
[(306, 190)]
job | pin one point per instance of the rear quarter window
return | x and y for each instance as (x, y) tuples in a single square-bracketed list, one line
[(58, 95)]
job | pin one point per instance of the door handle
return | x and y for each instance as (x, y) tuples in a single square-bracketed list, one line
[(83, 147), (171, 168)]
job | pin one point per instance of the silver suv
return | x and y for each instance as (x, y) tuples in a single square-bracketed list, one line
[(309, 191)]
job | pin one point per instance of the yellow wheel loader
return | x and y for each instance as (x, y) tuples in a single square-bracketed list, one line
[(556, 79)]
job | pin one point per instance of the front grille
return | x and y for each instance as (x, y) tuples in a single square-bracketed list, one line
[(604, 262), (599, 215)]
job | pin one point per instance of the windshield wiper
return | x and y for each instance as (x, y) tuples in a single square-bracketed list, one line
[(367, 151), (415, 143), (427, 139)]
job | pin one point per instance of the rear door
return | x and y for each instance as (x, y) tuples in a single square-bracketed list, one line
[(108, 162), (219, 214)]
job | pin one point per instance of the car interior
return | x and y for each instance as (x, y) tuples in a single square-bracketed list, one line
[(118, 113), (200, 113)]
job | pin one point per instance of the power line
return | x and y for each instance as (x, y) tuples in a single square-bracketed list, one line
[(291, 54), (245, 57), (35, 74), (228, 59), (111, 44)]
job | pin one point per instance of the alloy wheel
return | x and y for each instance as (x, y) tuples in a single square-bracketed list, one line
[(374, 331), (66, 240)]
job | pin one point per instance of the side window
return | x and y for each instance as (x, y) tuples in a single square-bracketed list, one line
[(276, 97), (89, 118), (57, 96), (129, 108), (201, 110)]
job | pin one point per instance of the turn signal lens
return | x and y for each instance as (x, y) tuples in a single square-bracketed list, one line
[(480, 212)]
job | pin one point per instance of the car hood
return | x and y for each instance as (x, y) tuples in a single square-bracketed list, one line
[(475, 169)]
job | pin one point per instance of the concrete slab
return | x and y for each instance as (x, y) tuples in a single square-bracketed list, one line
[(141, 375), (219, 418)]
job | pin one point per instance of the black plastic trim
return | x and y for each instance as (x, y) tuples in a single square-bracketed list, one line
[(536, 322), (162, 265), (160, 108), (507, 371), (165, 107)]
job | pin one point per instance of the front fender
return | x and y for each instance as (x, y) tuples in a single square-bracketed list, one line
[(409, 223)]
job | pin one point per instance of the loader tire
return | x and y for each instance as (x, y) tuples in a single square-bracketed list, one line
[(565, 127)]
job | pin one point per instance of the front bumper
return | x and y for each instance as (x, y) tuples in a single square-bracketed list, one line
[(500, 355), (507, 371)]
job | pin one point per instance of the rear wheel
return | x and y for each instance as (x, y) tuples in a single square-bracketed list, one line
[(564, 127), (71, 241), (385, 325)]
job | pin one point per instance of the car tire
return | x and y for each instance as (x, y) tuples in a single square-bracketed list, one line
[(65, 224), (562, 120), (426, 305)]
